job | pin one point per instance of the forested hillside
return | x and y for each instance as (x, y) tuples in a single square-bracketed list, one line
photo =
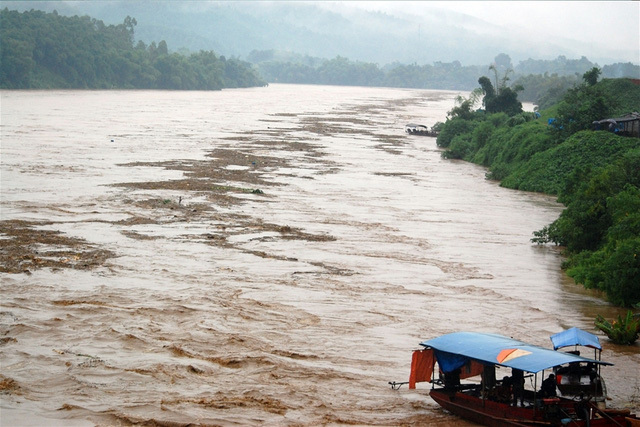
[(235, 28), (544, 80), (47, 50), (596, 174), (401, 35)]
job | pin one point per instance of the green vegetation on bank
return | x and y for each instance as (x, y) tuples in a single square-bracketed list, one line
[(621, 331), (596, 174), (46, 50)]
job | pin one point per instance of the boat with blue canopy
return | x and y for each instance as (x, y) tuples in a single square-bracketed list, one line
[(498, 381), (575, 337)]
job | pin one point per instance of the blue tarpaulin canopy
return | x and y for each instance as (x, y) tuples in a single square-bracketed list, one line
[(575, 336), (454, 350)]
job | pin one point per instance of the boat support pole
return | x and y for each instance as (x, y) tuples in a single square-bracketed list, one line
[(535, 391), (433, 373)]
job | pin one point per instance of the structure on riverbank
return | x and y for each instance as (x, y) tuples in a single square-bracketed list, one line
[(627, 125)]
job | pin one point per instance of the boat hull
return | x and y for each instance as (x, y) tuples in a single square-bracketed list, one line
[(495, 414), (485, 412)]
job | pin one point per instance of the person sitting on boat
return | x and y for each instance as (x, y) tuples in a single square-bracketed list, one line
[(548, 388), (504, 390), (592, 371)]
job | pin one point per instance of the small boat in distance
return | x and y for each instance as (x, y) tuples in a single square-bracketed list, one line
[(468, 372), (422, 130)]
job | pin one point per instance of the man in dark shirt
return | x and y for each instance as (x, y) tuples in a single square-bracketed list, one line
[(548, 388)]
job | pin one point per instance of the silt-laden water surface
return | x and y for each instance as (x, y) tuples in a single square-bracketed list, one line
[(258, 256)]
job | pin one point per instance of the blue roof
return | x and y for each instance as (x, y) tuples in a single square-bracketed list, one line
[(575, 336), (452, 350)]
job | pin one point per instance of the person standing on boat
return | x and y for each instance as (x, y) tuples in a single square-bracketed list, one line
[(452, 379), (517, 381), (548, 388)]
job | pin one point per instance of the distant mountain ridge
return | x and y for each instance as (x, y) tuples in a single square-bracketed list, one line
[(309, 28)]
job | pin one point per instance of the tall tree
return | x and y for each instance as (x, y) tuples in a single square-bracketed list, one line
[(591, 76), (500, 99)]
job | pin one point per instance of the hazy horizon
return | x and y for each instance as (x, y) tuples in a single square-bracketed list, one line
[(422, 32), (606, 31)]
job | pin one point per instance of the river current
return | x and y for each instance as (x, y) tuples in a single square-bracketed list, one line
[(265, 256)]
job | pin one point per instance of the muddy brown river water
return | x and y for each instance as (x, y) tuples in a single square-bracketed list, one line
[(263, 256)]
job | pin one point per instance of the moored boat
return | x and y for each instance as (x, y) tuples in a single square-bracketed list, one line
[(469, 371), (422, 130)]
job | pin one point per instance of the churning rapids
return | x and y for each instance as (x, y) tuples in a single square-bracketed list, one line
[(259, 256)]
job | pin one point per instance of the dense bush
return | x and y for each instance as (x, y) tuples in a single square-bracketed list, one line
[(601, 229), (511, 146), (621, 331), (548, 169), (454, 127)]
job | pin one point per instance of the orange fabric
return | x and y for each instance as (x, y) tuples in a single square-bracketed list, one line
[(511, 353), (421, 367), (504, 354)]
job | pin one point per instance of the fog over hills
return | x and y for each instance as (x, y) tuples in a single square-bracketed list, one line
[(329, 29)]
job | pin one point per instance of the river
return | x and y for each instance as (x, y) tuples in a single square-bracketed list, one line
[(264, 256)]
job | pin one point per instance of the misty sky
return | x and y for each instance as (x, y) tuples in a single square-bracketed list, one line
[(472, 32), (602, 29)]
